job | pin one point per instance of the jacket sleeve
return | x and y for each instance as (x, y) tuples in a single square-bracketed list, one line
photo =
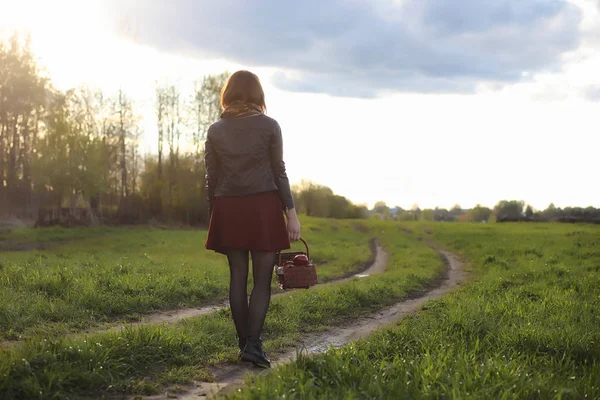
[(278, 167), (211, 165)]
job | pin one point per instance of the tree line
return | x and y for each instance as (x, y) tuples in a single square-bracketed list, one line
[(503, 211), (74, 156), (317, 200)]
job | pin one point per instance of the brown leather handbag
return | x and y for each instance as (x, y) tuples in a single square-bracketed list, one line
[(295, 270)]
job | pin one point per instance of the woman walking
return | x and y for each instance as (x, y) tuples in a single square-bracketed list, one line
[(248, 193)]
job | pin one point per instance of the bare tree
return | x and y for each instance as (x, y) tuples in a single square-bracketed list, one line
[(173, 134), (125, 122), (135, 159), (161, 98)]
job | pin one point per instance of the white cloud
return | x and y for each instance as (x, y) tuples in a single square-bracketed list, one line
[(359, 49)]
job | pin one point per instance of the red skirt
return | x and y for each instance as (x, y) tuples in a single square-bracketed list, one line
[(253, 222)]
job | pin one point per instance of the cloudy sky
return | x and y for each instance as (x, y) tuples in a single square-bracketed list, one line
[(434, 102)]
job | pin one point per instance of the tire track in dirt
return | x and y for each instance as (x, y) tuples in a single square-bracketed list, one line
[(380, 259), (376, 266), (230, 377)]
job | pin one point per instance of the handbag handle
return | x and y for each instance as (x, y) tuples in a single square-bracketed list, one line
[(307, 251)]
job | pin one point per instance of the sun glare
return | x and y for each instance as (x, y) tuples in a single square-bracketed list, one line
[(71, 38)]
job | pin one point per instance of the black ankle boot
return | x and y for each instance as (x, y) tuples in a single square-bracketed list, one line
[(255, 354), (242, 343), (242, 346)]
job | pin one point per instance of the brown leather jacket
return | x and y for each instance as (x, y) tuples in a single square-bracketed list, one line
[(245, 156)]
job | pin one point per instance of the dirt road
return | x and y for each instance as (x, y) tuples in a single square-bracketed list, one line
[(232, 376)]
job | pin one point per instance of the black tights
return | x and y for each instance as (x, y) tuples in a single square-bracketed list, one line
[(250, 318)]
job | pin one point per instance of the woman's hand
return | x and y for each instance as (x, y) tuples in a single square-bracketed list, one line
[(293, 225)]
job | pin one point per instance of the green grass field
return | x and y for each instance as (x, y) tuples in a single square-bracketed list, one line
[(526, 327), (145, 358), (83, 278)]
